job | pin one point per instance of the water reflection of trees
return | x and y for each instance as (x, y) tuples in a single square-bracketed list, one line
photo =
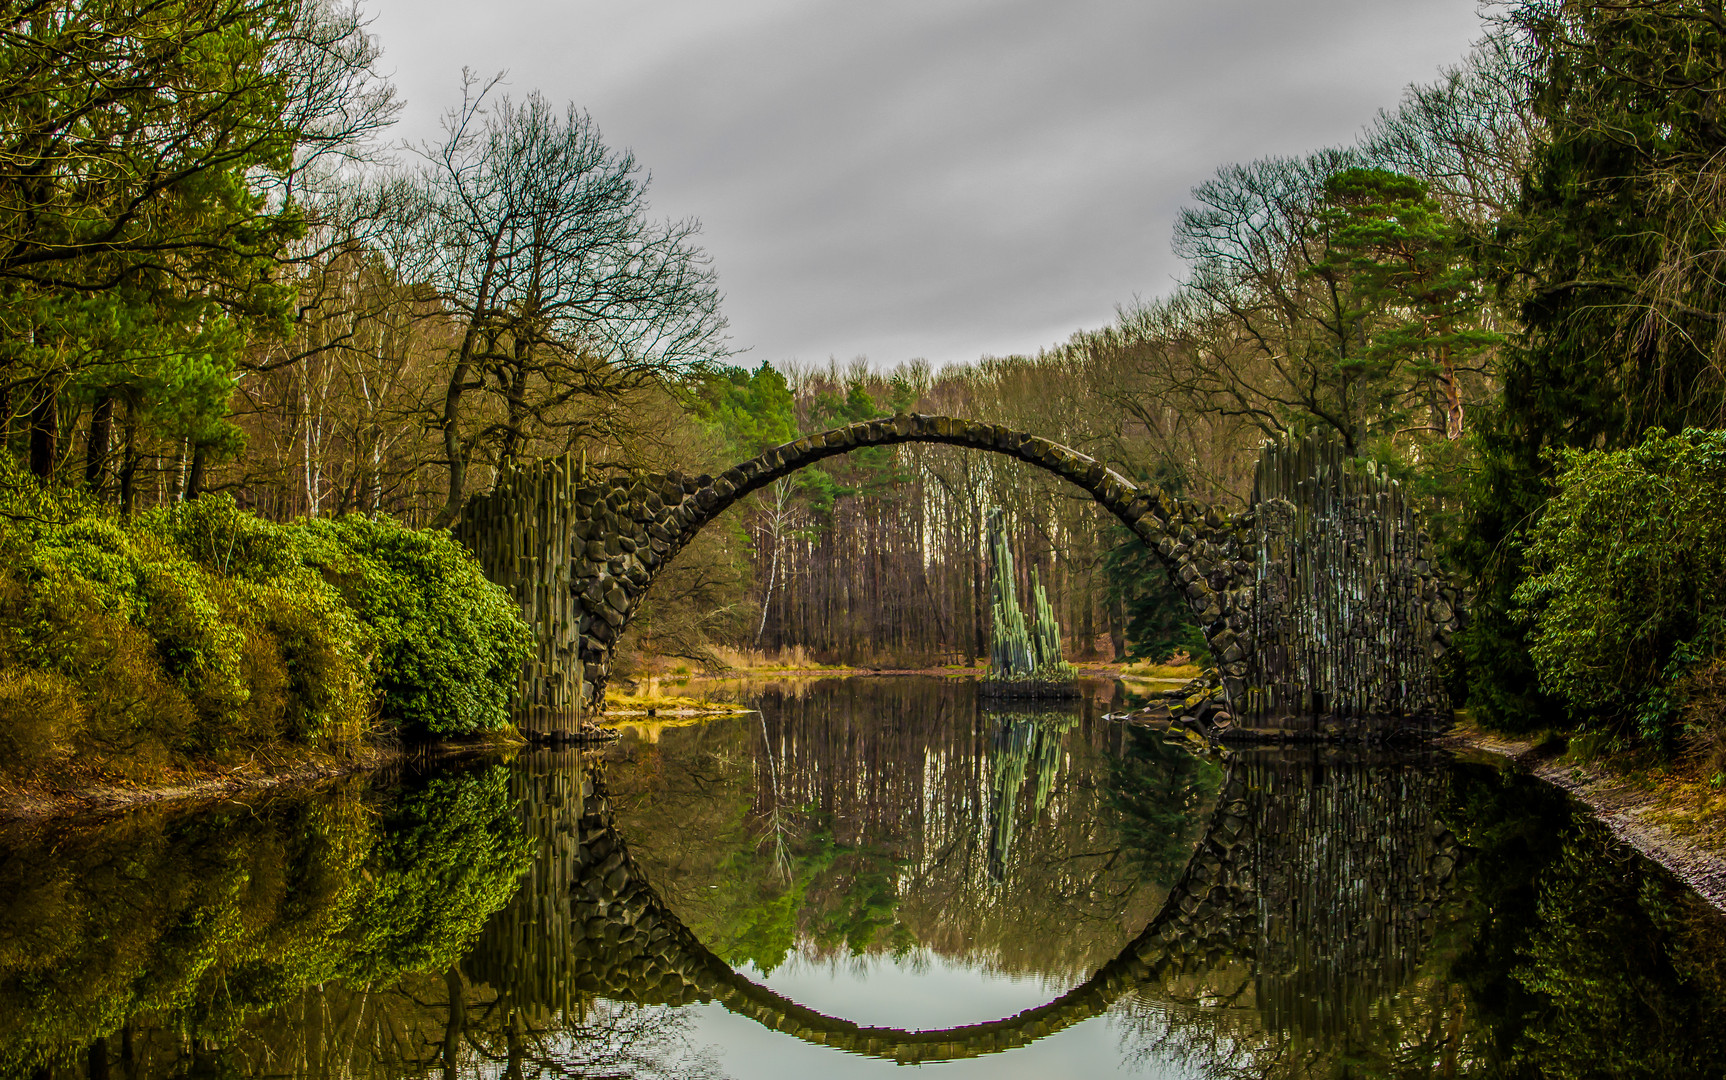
[(1558, 952), (1350, 868), (1325, 926), (443, 1025), (1160, 791), (911, 817), (1021, 742), (317, 935)]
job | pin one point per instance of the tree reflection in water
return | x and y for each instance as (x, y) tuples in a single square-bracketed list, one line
[(912, 820), (1161, 791), (316, 935), (1280, 914), (1555, 952)]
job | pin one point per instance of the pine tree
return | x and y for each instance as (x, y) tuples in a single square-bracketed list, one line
[(1614, 256)]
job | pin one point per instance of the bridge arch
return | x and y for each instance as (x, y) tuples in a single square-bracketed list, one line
[(582, 551)]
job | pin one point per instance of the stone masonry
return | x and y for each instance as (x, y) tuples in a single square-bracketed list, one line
[(581, 550)]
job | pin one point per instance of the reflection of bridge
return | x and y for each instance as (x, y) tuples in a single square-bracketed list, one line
[(1316, 879), (1349, 611)]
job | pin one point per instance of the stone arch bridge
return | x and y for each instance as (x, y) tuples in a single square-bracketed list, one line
[(1308, 900), (580, 552)]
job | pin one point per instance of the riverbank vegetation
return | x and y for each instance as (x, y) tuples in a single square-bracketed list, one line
[(200, 633), (216, 278)]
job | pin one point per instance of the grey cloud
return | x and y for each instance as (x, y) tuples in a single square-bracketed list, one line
[(942, 179)]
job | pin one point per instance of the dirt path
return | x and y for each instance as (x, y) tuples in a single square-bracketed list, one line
[(1625, 810)]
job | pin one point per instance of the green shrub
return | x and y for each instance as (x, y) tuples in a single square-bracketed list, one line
[(1626, 586), (202, 630), (450, 644), (446, 645), (307, 650), (41, 712), (74, 607), (451, 855)]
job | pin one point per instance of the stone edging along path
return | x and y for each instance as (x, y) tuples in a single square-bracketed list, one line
[(1698, 863)]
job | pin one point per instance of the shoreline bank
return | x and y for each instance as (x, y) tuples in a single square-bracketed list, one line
[(1700, 863), (1625, 809), (27, 804)]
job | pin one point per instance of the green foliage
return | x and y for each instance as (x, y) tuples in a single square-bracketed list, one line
[(167, 658), (1407, 264), (206, 919), (1395, 260), (1159, 624), (450, 857), (1612, 253), (1626, 579), (750, 411), (1578, 958), (144, 209), (1605, 958), (450, 644), (869, 471), (202, 630), (853, 902), (1158, 791)]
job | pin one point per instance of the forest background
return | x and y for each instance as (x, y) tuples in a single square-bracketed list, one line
[(218, 280)]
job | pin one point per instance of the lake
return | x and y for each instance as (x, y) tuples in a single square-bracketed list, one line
[(865, 874)]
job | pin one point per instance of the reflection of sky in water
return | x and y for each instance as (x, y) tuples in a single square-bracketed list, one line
[(919, 991)]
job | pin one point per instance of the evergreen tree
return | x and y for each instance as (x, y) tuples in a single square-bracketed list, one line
[(1613, 254), (147, 159), (1159, 623), (1407, 266)]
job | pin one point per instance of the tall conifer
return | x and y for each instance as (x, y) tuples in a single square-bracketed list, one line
[(1614, 255)]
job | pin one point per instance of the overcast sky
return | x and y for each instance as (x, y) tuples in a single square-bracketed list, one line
[(932, 178)]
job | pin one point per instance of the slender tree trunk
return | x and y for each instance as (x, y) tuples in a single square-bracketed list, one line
[(516, 412), (1087, 620), (129, 463), (767, 597), (1452, 399), (979, 631), (180, 471), (96, 447), (45, 428), (517, 1047), (454, 451), (456, 1024), (195, 475)]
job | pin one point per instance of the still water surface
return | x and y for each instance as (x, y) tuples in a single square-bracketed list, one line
[(864, 874)]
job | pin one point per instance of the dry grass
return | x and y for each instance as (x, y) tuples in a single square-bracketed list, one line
[(1145, 669), (795, 658)]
